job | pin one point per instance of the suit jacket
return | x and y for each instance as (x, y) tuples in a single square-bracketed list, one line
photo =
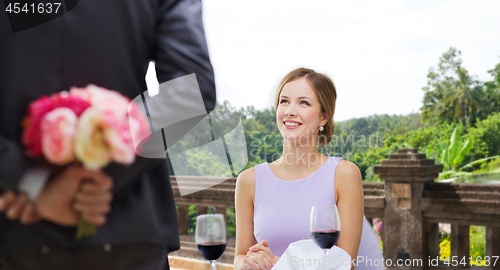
[(110, 44)]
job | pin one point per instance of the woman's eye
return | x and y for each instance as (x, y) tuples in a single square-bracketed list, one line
[(282, 101), (304, 102)]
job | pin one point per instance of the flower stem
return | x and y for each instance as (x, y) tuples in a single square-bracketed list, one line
[(85, 229)]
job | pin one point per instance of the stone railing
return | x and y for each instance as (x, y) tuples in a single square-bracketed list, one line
[(415, 205), (410, 203), (221, 197)]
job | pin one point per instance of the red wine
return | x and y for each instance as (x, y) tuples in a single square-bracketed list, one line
[(325, 239), (212, 250)]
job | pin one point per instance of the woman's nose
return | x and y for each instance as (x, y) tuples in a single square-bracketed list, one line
[(290, 111)]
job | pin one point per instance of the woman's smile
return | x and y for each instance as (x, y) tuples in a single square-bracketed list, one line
[(290, 124)]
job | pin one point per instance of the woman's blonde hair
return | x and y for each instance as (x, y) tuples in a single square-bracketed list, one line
[(324, 89)]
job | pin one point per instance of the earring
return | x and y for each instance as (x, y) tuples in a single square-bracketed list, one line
[(321, 128)]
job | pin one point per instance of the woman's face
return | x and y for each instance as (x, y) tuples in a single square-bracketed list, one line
[(299, 114)]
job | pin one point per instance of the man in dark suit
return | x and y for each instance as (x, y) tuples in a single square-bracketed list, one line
[(110, 44)]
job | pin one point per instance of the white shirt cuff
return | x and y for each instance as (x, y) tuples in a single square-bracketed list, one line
[(33, 181)]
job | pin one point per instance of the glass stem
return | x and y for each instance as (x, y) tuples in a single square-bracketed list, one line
[(212, 265), (327, 259)]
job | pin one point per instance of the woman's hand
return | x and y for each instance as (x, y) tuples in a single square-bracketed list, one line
[(259, 256)]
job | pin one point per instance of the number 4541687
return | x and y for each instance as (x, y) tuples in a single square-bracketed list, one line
[(33, 8)]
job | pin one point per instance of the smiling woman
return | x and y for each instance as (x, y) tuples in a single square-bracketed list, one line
[(318, 87), (273, 201)]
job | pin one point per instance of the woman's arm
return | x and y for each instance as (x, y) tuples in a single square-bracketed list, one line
[(350, 202), (243, 198), (244, 207)]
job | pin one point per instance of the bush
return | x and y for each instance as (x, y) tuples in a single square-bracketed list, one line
[(486, 138)]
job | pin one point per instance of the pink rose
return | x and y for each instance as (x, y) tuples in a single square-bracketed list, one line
[(118, 137), (58, 129), (32, 136), (64, 99), (139, 126), (117, 127), (92, 124), (102, 98)]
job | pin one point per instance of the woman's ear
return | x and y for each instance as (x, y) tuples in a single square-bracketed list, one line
[(324, 119)]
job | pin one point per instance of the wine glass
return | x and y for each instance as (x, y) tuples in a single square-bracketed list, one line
[(325, 226), (210, 236)]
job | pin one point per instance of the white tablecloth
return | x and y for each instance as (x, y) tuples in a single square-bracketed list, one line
[(305, 254)]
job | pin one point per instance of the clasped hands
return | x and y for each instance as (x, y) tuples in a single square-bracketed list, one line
[(259, 257), (66, 196)]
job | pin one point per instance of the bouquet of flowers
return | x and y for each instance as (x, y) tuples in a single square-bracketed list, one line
[(92, 126)]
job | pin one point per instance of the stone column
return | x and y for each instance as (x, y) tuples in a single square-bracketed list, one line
[(460, 243), (201, 210), (183, 217), (493, 246), (223, 211), (404, 174)]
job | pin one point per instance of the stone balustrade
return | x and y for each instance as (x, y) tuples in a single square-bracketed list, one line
[(410, 203)]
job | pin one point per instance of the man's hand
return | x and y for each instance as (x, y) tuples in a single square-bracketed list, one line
[(56, 202), (18, 207), (93, 199)]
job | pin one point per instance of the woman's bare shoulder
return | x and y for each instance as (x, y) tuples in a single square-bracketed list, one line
[(246, 178), (348, 182), (245, 186), (347, 166), (347, 171)]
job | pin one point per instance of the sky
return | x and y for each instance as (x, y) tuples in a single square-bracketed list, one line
[(377, 53)]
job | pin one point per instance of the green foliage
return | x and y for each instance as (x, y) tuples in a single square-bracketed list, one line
[(487, 137), (191, 218), (477, 243), (477, 246), (454, 96), (482, 164), (452, 155), (459, 123), (488, 165), (231, 222), (200, 162)]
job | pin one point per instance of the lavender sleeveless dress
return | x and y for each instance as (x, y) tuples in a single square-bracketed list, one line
[(282, 209)]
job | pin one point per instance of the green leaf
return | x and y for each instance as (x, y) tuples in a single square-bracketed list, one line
[(444, 157), (467, 147), (454, 146), (478, 161), (445, 175)]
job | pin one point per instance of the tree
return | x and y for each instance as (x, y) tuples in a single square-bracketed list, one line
[(489, 98), (451, 94)]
